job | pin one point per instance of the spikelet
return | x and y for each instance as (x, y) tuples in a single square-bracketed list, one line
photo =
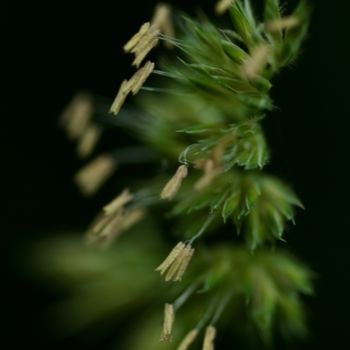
[(174, 184), (162, 20), (93, 175), (88, 140), (256, 62), (175, 265), (168, 322), (208, 342), (188, 340), (280, 24), (222, 6)]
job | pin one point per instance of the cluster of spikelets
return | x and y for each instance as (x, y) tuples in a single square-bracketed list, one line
[(207, 115)]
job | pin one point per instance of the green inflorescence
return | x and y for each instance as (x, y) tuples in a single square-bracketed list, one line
[(205, 114)]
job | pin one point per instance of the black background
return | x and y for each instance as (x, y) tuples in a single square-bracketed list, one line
[(52, 49)]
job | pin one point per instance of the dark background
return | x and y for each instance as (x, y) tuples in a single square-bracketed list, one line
[(52, 49)]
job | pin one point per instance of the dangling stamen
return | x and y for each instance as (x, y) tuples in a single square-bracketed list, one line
[(174, 184), (132, 217), (133, 85), (169, 317), (139, 78), (176, 263), (88, 140), (112, 229), (170, 258), (142, 42), (114, 220), (208, 342), (122, 199), (77, 115), (120, 98), (186, 258), (161, 20), (222, 6), (137, 37), (143, 49), (93, 175), (188, 340)]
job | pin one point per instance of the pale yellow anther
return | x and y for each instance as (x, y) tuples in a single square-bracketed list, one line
[(137, 37), (220, 148), (162, 20), (175, 265), (256, 62), (117, 203), (174, 184), (168, 322), (151, 34), (133, 85), (114, 221), (93, 175), (170, 258), (101, 228), (188, 340), (142, 50), (120, 98), (208, 342), (139, 78), (77, 115), (107, 228), (113, 226), (222, 6), (88, 140), (211, 171), (171, 273), (132, 217), (142, 42), (282, 24), (186, 258), (79, 98), (161, 16), (98, 224)]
